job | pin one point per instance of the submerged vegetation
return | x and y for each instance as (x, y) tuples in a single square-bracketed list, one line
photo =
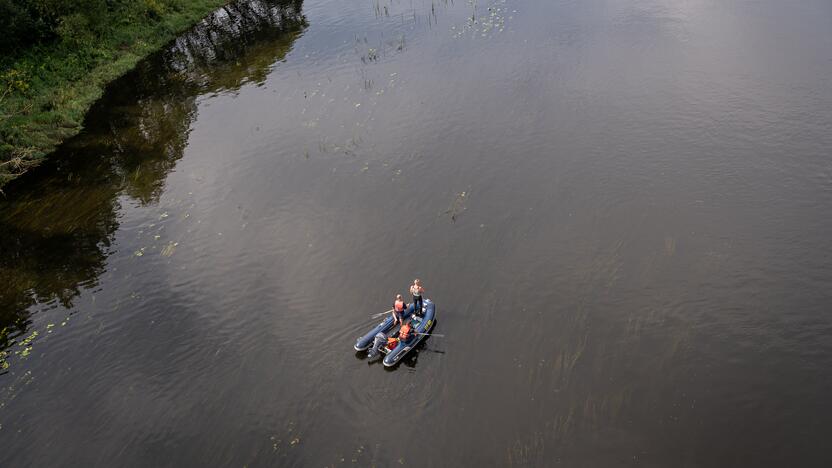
[(56, 56)]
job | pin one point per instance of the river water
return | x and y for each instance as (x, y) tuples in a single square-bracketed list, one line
[(621, 209)]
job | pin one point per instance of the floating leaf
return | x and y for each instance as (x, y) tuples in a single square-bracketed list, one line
[(168, 250)]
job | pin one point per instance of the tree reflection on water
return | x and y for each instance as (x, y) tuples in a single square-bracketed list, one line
[(57, 224)]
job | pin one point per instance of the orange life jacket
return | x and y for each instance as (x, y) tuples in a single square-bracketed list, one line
[(392, 342), (404, 332), (399, 306)]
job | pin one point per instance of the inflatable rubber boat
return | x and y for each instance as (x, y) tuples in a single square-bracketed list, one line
[(421, 324)]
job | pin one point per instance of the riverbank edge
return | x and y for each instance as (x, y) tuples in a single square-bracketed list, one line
[(56, 111)]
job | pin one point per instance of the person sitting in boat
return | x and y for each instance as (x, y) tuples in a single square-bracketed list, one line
[(405, 332), (398, 309), (416, 290)]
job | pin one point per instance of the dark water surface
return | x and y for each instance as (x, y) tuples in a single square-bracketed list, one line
[(623, 210)]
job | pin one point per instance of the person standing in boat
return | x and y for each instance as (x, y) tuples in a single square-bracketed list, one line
[(398, 309), (416, 290)]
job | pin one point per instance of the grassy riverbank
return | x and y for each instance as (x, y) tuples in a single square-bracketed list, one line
[(47, 87)]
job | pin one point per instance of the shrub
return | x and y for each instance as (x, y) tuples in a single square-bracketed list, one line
[(154, 9), (75, 30)]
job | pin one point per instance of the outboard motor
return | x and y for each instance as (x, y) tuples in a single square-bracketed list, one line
[(375, 349)]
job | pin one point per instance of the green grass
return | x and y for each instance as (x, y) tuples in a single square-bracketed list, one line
[(45, 91)]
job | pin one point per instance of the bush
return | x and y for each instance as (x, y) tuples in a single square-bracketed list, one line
[(154, 9), (25, 23), (75, 30), (13, 81), (22, 26)]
